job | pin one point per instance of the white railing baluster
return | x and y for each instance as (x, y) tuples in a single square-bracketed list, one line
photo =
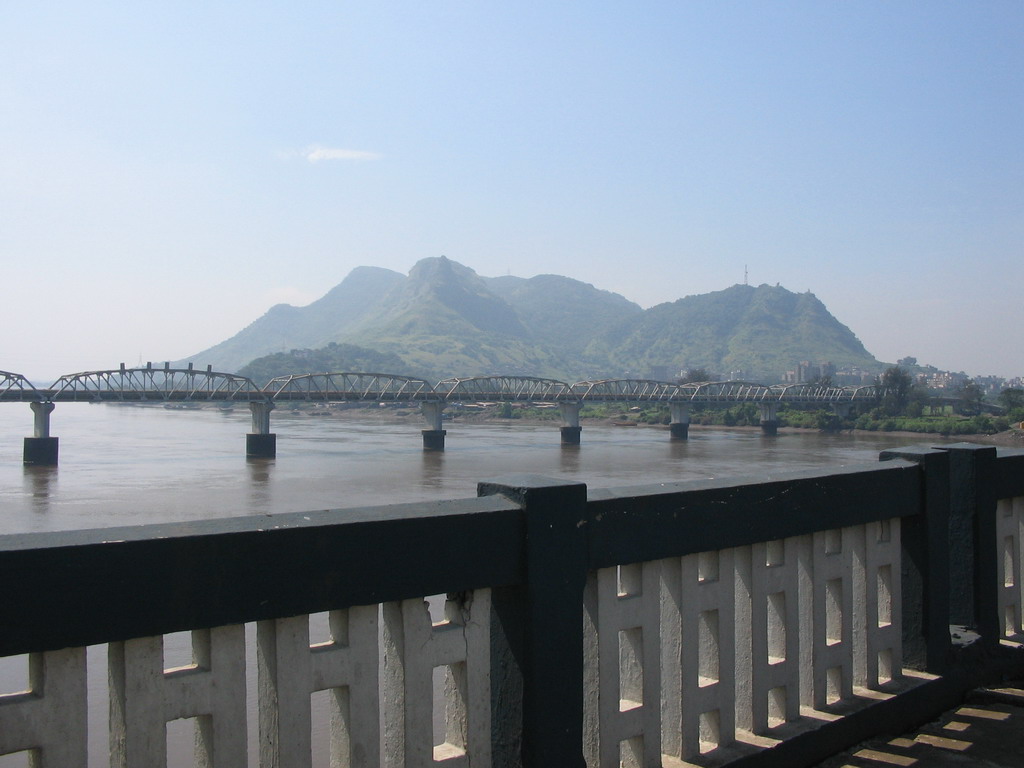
[(884, 604), (629, 665), (1009, 521), (413, 647), (707, 606), (145, 697), (836, 577), (290, 671), (771, 586), (50, 719)]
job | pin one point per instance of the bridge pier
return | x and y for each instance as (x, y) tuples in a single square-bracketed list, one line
[(769, 418), (261, 443), (41, 449), (433, 438), (679, 428), (570, 423)]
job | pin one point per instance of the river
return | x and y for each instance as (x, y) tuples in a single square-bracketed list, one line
[(133, 465)]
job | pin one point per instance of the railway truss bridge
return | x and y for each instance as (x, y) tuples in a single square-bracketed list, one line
[(181, 386)]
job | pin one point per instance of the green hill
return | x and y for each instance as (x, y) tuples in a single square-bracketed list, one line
[(760, 331), (444, 320), (333, 357), (562, 313), (285, 327)]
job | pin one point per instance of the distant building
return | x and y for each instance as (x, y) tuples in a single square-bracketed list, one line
[(805, 372), (990, 385)]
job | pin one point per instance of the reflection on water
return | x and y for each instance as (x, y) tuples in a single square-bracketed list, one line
[(259, 479), (678, 450), (569, 458), (259, 469), (39, 481), (433, 468)]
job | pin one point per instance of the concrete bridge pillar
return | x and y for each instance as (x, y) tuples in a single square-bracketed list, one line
[(769, 418), (679, 429), (41, 448), (570, 423), (261, 443), (433, 438)]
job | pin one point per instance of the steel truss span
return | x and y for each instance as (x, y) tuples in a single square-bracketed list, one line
[(505, 389), (371, 387), (143, 384), (815, 393), (16, 388), (638, 390), (645, 390), (189, 384)]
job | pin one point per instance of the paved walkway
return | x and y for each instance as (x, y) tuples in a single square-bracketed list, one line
[(986, 731)]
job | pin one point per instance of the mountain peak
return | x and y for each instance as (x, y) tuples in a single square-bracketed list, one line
[(451, 289), (445, 319)]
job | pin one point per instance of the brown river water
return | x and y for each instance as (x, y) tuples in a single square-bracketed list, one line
[(134, 465)]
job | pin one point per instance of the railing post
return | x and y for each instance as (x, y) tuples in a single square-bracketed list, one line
[(972, 534), (925, 543), (537, 628)]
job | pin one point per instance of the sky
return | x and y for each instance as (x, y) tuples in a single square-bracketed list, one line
[(169, 171)]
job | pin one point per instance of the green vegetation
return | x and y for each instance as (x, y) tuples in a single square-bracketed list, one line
[(1012, 399), (761, 331), (333, 357), (943, 425), (903, 408), (564, 314)]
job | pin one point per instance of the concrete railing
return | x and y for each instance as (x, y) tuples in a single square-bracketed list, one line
[(768, 621)]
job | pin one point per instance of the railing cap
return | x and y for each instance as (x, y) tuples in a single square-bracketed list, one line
[(524, 487), (913, 452)]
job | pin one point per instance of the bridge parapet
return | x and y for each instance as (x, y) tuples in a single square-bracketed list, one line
[(156, 384), (647, 625)]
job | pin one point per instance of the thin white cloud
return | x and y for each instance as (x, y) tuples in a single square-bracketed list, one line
[(316, 153)]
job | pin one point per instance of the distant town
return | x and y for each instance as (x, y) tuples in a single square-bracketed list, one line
[(938, 381)]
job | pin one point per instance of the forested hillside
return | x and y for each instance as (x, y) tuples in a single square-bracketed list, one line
[(445, 320)]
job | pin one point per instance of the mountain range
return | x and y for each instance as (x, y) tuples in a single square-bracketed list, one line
[(442, 319)]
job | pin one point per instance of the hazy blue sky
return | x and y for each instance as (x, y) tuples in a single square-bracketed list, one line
[(171, 170)]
